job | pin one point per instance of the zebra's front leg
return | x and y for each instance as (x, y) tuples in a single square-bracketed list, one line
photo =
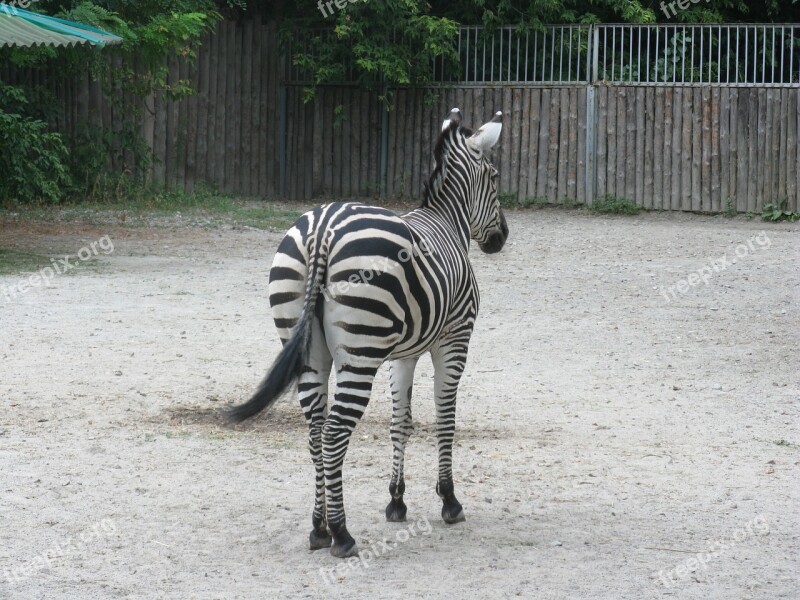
[(353, 388), (401, 376), (449, 360)]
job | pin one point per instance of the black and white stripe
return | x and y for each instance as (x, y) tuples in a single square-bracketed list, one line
[(353, 286)]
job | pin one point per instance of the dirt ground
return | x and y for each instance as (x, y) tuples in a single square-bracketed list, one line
[(615, 439)]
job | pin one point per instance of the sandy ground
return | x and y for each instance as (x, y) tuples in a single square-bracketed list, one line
[(613, 441)]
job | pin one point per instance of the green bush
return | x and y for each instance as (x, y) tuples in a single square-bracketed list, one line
[(32, 159), (614, 206)]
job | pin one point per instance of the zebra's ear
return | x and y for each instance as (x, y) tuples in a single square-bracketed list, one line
[(486, 137), (453, 118)]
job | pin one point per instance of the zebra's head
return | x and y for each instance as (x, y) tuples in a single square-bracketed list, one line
[(466, 180)]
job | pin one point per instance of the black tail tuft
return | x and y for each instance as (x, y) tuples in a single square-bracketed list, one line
[(283, 372)]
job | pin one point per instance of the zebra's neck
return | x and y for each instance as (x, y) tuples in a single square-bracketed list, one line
[(450, 209)]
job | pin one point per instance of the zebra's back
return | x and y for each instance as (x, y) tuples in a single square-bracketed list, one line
[(389, 284)]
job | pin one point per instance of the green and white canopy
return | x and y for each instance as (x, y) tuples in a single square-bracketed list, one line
[(23, 28)]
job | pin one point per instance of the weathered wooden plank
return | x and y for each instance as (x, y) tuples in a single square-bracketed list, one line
[(659, 134), (504, 144), (767, 158), (758, 110), (236, 108), (581, 166), (426, 146), (649, 140), (401, 140), (542, 178), (687, 109), (601, 168), (724, 149), (733, 130), (346, 134), (613, 139), (622, 140), (638, 147), (371, 177), (792, 99), (256, 130), (743, 180), (631, 160), (188, 119), (201, 122), (778, 134), (714, 183), (359, 116), (171, 126), (159, 140), (676, 171), (782, 135), (268, 140), (247, 170), (524, 125), (562, 156), (795, 165), (666, 151), (697, 138), (534, 142), (338, 143), (412, 141), (308, 150), (212, 141), (573, 156), (553, 150), (219, 144)]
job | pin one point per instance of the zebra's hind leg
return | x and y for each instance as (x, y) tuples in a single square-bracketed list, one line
[(353, 388), (449, 360), (401, 375), (312, 389)]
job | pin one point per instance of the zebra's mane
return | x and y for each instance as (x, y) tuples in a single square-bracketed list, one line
[(441, 153)]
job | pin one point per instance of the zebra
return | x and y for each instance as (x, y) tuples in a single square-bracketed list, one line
[(353, 286)]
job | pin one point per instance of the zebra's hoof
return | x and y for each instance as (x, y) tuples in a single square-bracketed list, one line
[(317, 540), (396, 511), (345, 550), (453, 514)]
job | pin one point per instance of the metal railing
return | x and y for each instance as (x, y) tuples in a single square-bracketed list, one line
[(615, 54), (747, 55), (558, 54)]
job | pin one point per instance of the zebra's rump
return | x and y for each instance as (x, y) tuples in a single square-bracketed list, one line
[(381, 281)]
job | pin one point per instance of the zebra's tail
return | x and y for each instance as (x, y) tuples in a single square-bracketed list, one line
[(295, 351)]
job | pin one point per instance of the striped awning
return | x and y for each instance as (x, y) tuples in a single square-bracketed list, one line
[(23, 28)]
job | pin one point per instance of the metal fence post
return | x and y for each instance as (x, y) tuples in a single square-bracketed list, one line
[(591, 143), (590, 181)]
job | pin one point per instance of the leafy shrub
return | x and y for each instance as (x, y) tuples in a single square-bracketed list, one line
[(779, 212), (32, 159), (614, 205)]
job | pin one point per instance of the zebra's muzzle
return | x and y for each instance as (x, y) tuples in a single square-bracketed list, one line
[(497, 238), (495, 243)]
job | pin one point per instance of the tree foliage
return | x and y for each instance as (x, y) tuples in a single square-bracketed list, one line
[(395, 42), (43, 165)]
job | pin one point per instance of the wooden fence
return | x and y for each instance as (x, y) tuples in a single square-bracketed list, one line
[(699, 147)]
